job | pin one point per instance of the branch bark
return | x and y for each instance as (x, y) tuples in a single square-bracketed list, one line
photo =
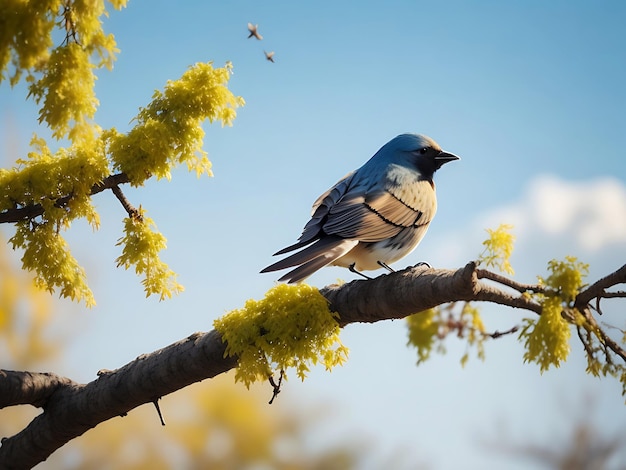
[(71, 409), (597, 290), (35, 210)]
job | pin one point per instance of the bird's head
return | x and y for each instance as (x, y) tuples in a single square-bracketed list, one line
[(421, 151)]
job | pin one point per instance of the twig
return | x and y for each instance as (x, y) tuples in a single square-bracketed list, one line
[(613, 295), (496, 334), (505, 281), (597, 289), (605, 339), (275, 385), (128, 207), (586, 342), (156, 405), (68, 22), (607, 295), (487, 293), (608, 325)]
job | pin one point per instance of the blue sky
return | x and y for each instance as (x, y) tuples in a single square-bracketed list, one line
[(530, 95)]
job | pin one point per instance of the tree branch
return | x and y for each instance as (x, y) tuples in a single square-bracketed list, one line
[(29, 388), (128, 207), (70, 409), (399, 294), (74, 409), (35, 210), (597, 289), (505, 281), (402, 293)]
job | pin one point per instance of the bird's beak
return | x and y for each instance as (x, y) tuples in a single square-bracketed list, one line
[(445, 157)]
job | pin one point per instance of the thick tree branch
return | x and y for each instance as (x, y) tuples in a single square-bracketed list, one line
[(70, 409), (35, 210), (399, 294), (412, 290), (74, 409), (29, 388)]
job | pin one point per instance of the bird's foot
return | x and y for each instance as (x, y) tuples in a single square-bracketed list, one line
[(382, 264), (422, 264), (353, 269)]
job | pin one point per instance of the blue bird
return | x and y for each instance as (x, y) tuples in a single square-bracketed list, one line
[(374, 215)]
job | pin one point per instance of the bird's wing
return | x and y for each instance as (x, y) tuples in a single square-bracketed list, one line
[(378, 214), (321, 207), (332, 196), (313, 257)]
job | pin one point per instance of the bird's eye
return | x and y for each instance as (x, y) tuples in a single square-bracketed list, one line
[(423, 151)]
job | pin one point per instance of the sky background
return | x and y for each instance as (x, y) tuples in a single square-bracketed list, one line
[(529, 94)]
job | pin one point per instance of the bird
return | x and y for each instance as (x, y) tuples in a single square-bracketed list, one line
[(374, 215), (269, 56), (253, 28)]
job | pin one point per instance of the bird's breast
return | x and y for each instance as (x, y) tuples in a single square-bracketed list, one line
[(418, 194)]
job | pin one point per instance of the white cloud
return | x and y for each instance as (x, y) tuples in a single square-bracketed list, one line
[(552, 218), (592, 213)]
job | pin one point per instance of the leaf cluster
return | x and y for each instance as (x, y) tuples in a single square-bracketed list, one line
[(498, 249), (168, 131), (291, 327), (141, 247), (45, 192), (546, 338), (427, 330), (60, 78)]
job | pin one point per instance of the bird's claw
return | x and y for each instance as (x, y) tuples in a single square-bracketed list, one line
[(353, 269), (382, 264)]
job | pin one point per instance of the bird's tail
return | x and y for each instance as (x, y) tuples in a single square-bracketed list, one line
[(310, 259)]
